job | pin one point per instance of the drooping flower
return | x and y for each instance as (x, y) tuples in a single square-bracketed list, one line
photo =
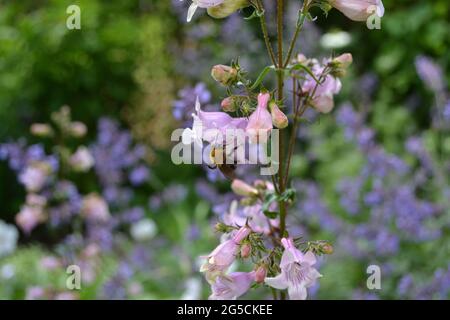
[(81, 160), (297, 273), (279, 119), (231, 286), (260, 121), (359, 10), (323, 92), (224, 255)]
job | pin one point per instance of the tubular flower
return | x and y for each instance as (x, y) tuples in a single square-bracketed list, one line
[(231, 286), (260, 121), (359, 10), (224, 255), (323, 96), (207, 125), (297, 273)]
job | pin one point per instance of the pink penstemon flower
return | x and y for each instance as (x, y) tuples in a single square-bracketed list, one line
[(359, 10), (221, 258), (207, 126), (297, 273), (231, 286), (260, 121)]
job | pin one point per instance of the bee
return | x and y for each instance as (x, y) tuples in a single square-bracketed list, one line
[(226, 163)]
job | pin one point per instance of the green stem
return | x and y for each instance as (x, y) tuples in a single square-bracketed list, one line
[(298, 28), (262, 20), (280, 84)]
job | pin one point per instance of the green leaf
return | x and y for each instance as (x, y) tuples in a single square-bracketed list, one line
[(261, 77), (268, 200), (299, 66)]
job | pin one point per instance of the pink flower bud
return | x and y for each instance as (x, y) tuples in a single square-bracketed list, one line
[(241, 188), (228, 105), (246, 250), (241, 234), (225, 75), (260, 274), (340, 64), (279, 119), (344, 60)]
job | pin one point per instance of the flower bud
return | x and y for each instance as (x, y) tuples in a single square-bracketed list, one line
[(344, 60), (340, 64), (246, 250), (260, 274), (225, 75), (241, 188), (228, 105), (279, 119), (227, 8), (241, 234), (41, 130), (77, 129), (327, 248)]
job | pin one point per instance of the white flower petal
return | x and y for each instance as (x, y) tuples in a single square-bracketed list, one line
[(278, 282), (191, 11), (297, 293)]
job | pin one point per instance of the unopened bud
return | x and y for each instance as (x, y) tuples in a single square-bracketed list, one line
[(246, 250), (227, 8), (222, 228), (225, 75), (228, 105), (78, 129), (241, 188), (327, 248), (340, 64), (41, 130), (279, 119), (260, 274)]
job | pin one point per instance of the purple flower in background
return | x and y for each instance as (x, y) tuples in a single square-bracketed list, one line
[(185, 105), (430, 73), (139, 175)]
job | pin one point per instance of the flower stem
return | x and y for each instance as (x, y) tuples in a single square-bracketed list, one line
[(262, 20), (280, 85)]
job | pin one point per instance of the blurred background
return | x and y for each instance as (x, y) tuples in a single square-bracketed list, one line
[(86, 177)]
